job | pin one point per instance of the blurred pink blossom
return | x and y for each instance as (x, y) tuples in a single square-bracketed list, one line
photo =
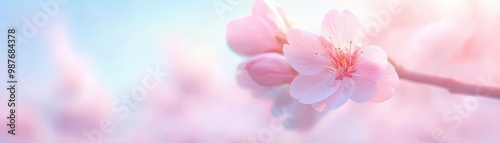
[(81, 95)]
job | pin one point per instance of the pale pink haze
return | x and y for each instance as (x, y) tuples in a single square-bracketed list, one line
[(334, 68), (262, 32)]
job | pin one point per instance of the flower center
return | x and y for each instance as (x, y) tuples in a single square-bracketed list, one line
[(342, 60)]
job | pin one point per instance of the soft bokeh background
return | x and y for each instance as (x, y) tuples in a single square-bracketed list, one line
[(91, 54)]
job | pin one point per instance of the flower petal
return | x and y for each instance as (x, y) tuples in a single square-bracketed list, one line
[(342, 28), (365, 89), (386, 85), (337, 99), (273, 13), (313, 88), (372, 62), (252, 35), (305, 52), (287, 19), (265, 8)]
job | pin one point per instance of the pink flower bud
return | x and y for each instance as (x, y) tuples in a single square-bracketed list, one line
[(262, 32), (252, 35), (270, 69)]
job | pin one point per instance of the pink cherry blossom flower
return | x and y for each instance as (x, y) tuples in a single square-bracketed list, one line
[(264, 31), (334, 67)]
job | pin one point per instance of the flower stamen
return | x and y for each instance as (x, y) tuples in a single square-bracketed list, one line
[(342, 60)]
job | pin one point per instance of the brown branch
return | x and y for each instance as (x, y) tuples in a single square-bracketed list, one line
[(452, 85)]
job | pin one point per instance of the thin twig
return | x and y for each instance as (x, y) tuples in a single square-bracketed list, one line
[(452, 85)]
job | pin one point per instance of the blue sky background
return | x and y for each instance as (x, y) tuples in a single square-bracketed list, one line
[(121, 38)]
